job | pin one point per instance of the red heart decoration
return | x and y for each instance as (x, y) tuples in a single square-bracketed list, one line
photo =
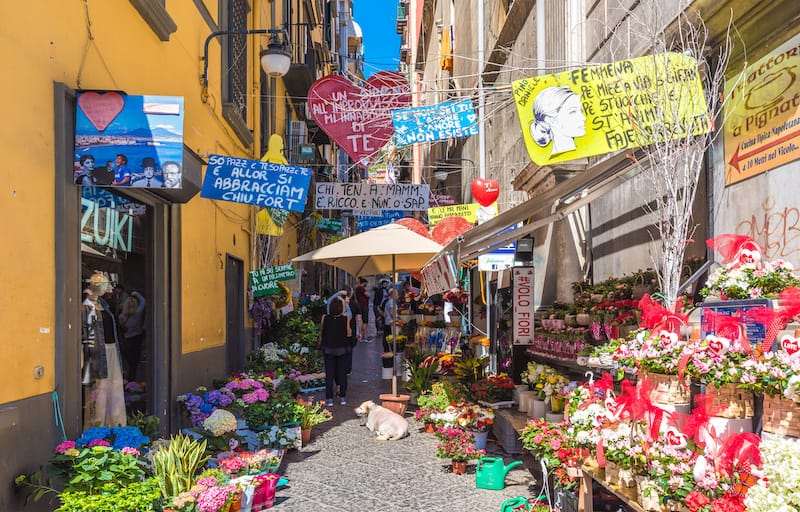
[(613, 407), (101, 109), (358, 119), (675, 438), (449, 228), (790, 345), (485, 191), (718, 345)]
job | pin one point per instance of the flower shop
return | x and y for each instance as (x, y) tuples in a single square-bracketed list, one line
[(693, 407), (229, 454)]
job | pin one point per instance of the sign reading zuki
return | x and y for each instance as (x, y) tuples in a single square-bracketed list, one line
[(254, 182), (369, 196), (611, 107), (448, 120), (524, 308), (264, 281)]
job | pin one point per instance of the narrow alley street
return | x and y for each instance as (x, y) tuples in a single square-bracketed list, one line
[(345, 469)]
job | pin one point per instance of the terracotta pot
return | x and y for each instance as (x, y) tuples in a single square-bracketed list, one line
[(459, 467), (430, 427), (305, 435), (396, 403)]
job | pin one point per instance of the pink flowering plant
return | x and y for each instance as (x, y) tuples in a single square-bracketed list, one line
[(719, 361), (209, 494), (250, 463), (655, 352), (456, 444)]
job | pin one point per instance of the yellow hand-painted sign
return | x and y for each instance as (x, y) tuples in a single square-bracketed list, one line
[(762, 115), (611, 107), (469, 211)]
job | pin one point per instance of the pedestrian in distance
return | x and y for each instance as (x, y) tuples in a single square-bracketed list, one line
[(362, 298), (333, 342)]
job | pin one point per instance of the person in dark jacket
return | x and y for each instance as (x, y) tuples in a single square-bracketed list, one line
[(333, 341)]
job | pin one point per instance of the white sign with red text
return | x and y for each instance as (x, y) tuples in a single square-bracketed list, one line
[(522, 283)]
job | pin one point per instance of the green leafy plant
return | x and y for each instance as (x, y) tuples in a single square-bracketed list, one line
[(147, 424), (420, 376), (436, 399), (470, 369), (313, 413), (99, 465), (112, 498), (176, 464)]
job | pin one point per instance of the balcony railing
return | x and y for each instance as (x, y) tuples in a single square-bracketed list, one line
[(402, 16)]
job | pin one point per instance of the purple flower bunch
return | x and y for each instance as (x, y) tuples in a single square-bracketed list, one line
[(200, 406), (261, 313)]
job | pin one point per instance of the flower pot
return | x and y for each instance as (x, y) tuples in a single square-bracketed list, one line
[(305, 435), (538, 409), (480, 439), (430, 427), (647, 494), (264, 494), (396, 403), (459, 467), (583, 319), (554, 417), (519, 388), (525, 397)]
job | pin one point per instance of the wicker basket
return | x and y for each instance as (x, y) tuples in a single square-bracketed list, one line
[(667, 389), (781, 416), (730, 401), (615, 475)]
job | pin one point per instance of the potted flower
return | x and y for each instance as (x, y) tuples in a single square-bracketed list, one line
[(495, 388), (457, 445), (312, 413), (219, 430)]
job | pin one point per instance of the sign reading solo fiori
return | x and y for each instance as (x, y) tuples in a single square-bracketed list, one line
[(255, 182)]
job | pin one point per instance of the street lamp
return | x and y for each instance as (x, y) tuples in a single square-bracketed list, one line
[(275, 59)]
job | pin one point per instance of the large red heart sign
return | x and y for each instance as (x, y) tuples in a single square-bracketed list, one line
[(485, 191), (101, 109), (358, 119), (790, 345)]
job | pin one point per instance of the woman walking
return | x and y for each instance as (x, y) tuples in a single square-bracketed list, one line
[(333, 341)]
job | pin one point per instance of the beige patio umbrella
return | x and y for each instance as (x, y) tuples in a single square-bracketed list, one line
[(386, 249)]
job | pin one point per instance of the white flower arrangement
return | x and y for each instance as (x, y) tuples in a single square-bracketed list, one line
[(281, 437), (271, 352), (220, 422), (777, 490), (792, 391)]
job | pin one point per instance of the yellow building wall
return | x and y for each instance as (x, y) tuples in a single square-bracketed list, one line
[(48, 41)]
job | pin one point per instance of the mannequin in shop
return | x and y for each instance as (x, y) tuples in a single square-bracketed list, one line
[(102, 369)]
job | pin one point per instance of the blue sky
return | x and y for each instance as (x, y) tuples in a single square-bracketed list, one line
[(378, 21)]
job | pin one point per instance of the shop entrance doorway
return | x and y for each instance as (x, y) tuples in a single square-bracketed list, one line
[(114, 235), (234, 314)]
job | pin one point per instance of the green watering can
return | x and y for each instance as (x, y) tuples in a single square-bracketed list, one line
[(491, 473)]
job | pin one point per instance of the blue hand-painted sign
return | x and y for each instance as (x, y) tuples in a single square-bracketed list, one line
[(447, 120), (254, 182), (367, 223)]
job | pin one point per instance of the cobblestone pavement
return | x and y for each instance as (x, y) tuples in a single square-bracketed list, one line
[(343, 468)]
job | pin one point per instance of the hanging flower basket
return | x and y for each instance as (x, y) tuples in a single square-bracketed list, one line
[(780, 416), (730, 401), (667, 389)]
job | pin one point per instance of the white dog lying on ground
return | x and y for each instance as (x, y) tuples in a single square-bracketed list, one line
[(387, 424)]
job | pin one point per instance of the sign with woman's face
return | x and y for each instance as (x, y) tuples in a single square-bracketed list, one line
[(611, 107)]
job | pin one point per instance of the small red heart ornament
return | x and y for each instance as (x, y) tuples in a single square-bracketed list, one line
[(675, 438), (613, 408), (358, 119), (718, 345), (790, 344), (101, 109), (485, 191)]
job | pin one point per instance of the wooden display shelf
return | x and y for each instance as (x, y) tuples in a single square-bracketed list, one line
[(591, 474)]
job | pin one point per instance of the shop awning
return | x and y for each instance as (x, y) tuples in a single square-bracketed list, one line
[(543, 209)]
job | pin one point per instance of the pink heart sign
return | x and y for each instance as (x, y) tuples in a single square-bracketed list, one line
[(790, 345), (358, 119), (101, 109)]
